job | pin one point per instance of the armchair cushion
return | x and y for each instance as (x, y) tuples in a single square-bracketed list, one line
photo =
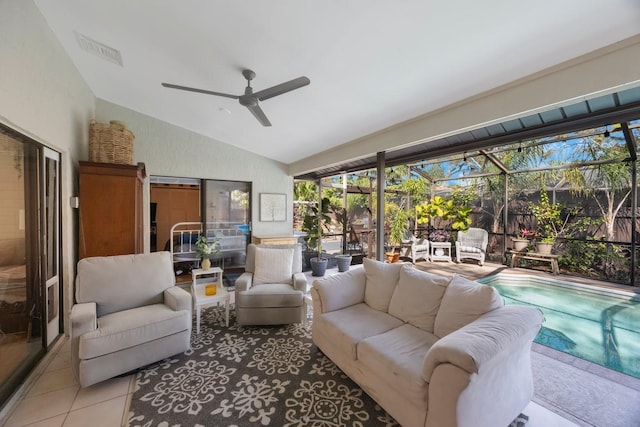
[(463, 302), (270, 295), (417, 297), (130, 328), (273, 266), (381, 281), (472, 249)]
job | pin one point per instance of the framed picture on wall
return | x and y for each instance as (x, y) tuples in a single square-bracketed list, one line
[(273, 207)]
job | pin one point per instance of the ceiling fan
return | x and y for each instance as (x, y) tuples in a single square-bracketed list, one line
[(250, 99)]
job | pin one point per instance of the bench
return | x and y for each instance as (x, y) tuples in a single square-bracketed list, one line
[(552, 259)]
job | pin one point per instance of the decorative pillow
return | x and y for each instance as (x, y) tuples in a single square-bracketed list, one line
[(417, 297), (382, 279), (273, 266), (463, 302)]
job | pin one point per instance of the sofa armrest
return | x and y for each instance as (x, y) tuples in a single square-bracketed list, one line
[(177, 299), (483, 339), (340, 290), (300, 282)]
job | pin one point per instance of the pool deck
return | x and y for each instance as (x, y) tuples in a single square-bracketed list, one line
[(582, 392)]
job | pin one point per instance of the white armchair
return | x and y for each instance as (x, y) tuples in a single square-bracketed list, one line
[(128, 313), (472, 244), (416, 248), (271, 290)]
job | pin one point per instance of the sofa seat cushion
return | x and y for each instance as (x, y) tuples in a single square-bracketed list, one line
[(269, 295), (471, 249), (397, 356), (351, 325), (130, 328)]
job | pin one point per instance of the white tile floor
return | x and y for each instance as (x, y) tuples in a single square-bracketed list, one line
[(52, 398)]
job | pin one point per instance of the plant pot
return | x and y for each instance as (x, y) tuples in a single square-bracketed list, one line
[(544, 248), (205, 264), (344, 261), (520, 245), (393, 256), (318, 266)]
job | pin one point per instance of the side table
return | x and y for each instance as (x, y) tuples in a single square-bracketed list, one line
[(440, 251), (200, 298)]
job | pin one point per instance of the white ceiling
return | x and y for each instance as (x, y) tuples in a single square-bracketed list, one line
[(372, 63)]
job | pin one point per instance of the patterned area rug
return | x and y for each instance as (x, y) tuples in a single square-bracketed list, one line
[(268, 376)]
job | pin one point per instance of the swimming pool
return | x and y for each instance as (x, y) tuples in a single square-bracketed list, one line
[(595, 324)]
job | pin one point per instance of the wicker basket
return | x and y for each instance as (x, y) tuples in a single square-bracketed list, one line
[(110, 143)]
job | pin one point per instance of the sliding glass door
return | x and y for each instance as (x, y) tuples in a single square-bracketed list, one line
[(29, 256)]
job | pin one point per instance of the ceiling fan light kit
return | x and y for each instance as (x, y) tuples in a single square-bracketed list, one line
[(250, 99)]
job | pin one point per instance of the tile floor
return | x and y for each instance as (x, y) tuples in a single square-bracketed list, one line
[(51, 397)]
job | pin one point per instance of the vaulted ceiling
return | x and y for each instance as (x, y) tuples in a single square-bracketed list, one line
[(372, 64)]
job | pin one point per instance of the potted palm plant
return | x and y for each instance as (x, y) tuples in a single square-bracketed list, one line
[(397, 233), (313, 223)]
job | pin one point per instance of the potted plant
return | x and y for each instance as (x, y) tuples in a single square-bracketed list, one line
[(397, 233), (344, 259), (523, 239), (312, 224), (207, 248), (550, 220)]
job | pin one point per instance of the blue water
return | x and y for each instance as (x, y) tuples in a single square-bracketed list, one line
[(598, 325)]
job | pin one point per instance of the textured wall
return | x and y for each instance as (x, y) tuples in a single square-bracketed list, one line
[(43, 96), (168, 150)]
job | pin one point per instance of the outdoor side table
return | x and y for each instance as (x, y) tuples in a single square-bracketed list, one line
[(440, 251)]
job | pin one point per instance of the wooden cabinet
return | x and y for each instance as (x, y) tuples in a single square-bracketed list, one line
[(110, 217)]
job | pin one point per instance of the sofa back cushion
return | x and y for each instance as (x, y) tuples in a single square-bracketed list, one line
[(382, 279), (463, 302), (273, 265), (121, 282), (417, 297), (335, 295)]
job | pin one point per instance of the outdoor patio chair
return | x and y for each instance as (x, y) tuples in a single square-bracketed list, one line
[(472, 244), (415, 248)]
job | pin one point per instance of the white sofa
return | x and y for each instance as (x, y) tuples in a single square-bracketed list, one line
[(431, 350), (128, 313)]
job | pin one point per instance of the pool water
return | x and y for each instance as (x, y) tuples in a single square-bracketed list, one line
[(594, 324)]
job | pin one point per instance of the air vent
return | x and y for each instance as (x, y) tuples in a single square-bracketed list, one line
[(103, 51)]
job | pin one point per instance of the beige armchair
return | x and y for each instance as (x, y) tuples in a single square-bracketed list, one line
[(128, 314), (271, 290), (472, 244)]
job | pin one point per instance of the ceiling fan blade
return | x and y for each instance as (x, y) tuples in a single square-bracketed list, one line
[(259, 114), (282, 88), (191, 89)]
